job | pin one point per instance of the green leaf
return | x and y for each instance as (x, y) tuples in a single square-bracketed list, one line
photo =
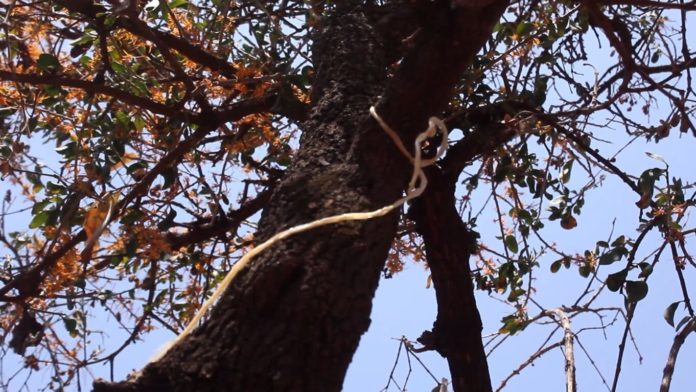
[(48, 62), (70, 326), (556, 265), (170, 176), (655, 57), (139, 122), (683, 321), (523, 28), (609, 257), (118, 68), (40, 219), (68, 150), (168, 220), (619, 241), (80, 283), (669, 312), (645, 269), (178, 4), (615, 280), (566, 170), (515, 294), (109, 20), (511, 243), (525, 215), (39, 206), (85, 61), (122, 118), (636, 290), (131, 217)]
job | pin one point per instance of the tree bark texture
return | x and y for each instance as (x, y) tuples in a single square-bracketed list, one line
[(293, 319), (456, 333)]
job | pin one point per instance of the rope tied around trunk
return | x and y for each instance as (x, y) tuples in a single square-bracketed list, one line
[(416, 186)]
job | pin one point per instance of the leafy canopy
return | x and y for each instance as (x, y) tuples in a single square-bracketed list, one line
[(139, 141)]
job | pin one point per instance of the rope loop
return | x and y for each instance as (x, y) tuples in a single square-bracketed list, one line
[(435, 125)]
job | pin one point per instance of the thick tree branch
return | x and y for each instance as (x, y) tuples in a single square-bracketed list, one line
[(202, 232), (99, 88), (193, 52), (679, 339), (484, 128), (568, 337), (442, 49), (456, 333)]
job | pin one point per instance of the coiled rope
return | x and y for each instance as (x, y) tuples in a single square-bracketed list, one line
[(416, 186)]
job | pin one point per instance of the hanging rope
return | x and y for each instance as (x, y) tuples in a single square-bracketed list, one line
[(416, 186)]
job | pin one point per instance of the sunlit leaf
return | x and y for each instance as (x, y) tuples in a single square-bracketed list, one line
[(178, 4), (39, 219), (566, 170)]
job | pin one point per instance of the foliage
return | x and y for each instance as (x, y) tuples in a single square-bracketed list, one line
[(138, 143)]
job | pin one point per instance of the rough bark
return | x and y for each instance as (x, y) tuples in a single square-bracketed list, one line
[(456, 333), (449, 243), (292, 321)]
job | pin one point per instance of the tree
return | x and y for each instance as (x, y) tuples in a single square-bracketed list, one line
[(155, 107)]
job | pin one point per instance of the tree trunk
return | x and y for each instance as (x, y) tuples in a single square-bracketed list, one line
[(456, 333), (449, 244), (293, 319)]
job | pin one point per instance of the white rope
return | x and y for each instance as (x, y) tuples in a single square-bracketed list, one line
[(413, 191)]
